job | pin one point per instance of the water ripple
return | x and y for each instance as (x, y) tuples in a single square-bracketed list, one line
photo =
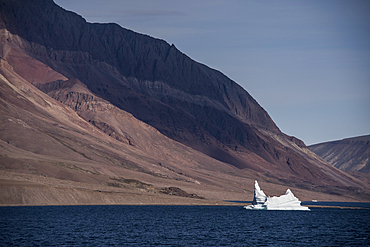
[(180, 226)]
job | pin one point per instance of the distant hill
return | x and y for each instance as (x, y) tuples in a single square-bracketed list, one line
[(350, 154)]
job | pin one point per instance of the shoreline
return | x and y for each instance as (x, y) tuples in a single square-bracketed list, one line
[(175, 204), (17, 191)]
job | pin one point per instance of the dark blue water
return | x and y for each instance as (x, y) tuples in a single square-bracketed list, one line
[(337, 204), (181, 226), (323, 203)]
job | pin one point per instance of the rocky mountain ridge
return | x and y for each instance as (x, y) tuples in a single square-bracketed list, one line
[(133, 103), (142, 75), (350, 154)]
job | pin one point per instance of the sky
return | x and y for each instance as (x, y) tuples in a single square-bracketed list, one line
[(307, 63)]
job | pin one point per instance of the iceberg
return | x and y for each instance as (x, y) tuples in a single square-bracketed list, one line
[(285, 202)]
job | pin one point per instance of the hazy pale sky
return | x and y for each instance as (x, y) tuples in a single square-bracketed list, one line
[(307, 63)]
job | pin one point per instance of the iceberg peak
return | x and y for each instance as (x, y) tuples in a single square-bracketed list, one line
[(284, 202), (259, 195)]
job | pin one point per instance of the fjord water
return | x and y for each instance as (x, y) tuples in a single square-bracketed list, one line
[(181, 226)]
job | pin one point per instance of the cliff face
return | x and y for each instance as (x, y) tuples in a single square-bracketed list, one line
[(147, 77), (352, 154), (109, 76), (134, 55)]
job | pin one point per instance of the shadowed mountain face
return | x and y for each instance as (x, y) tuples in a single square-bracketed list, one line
[(120, 83), (147, 77), (352, 154)]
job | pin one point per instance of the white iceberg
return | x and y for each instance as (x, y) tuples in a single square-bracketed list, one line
[(284, 202)]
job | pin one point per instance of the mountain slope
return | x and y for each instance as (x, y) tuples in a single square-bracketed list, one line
[(143, 75), (351, 154), (152, 80), (49, 155), (120, 85)]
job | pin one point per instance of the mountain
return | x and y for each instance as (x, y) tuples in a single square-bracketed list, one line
[(192, 103), (350, 154), (97, 108)]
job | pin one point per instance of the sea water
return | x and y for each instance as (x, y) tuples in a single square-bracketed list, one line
[(181, 226)]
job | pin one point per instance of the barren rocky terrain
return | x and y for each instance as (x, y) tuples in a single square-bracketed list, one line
[(97, 114)]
